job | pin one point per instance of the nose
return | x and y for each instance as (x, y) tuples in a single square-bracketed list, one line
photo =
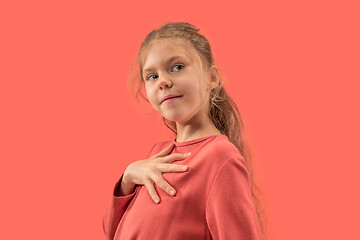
[(164, 80)]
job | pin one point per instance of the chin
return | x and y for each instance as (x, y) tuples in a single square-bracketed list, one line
[(172, 117)]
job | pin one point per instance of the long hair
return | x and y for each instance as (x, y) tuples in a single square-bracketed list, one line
[(222, 109)]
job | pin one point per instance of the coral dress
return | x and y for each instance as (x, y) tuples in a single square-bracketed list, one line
[(213, 198)]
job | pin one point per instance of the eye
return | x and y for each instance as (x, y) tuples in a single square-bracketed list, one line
[(179, 66), (149, 77)]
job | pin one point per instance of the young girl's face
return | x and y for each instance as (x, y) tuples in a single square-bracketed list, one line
[(170, 69)]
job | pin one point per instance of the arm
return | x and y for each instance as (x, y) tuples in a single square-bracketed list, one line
[(122, 195), (115, 211), (230, 211)]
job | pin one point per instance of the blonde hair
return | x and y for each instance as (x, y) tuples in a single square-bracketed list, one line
[(222, 109)]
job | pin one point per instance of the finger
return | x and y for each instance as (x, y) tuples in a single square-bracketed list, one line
[(172, 168), (174, 157), (151, 189), (159, 180), (164, 152)]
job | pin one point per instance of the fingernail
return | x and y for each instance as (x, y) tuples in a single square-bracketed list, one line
[(187, 154), (172, 192), (156, 200), (185, 167)]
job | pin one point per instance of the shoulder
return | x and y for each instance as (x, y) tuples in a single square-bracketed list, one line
[(221, 145), (158, 147), (222, 150)]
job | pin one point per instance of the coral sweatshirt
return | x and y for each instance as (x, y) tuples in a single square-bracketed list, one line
[(213, 198)]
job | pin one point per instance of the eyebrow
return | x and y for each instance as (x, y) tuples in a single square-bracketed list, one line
[(167, 61)]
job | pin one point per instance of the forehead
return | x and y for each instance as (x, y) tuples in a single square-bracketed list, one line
[(161, 50)]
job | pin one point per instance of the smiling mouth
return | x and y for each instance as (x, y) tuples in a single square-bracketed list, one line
[(171, 99)]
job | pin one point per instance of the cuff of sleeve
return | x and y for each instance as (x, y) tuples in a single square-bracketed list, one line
[(116, 190)]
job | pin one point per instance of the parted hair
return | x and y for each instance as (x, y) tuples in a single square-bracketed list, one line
[(223, 111)]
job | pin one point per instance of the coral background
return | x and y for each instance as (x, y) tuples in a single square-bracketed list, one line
[(69, 125)]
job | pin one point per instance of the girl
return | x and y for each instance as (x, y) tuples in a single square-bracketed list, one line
[(207, 194)]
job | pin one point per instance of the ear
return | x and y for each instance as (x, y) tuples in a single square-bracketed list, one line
[(214, 77)]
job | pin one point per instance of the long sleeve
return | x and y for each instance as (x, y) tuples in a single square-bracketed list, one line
[(115, 211), (230, 211), (117, 207)]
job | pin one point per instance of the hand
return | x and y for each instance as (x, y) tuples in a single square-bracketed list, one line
[(146, 172)]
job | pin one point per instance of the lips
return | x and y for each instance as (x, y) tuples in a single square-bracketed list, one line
[(169, 97)]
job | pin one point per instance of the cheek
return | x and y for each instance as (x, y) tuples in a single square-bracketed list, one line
[(194, 91), (148, 92), (152, 97)]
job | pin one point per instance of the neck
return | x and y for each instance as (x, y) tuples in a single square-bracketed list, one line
[(195, 130)]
